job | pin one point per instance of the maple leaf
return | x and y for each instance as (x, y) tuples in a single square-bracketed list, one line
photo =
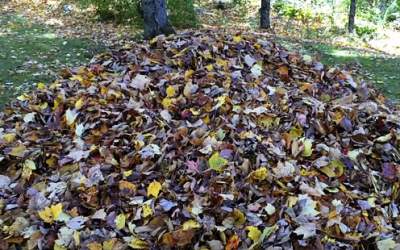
[(71, 115), (153, 189), (254, 233), (233, 243), (193, 166), (49, 214), (306, 229)]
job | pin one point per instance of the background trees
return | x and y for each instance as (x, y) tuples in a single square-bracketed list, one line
[(315, 17)]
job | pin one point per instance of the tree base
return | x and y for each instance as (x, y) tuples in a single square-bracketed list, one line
[(156, 19)]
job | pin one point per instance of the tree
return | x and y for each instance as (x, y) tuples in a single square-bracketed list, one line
[(264, 11), (382, 6), (352, 15), (156, 18)]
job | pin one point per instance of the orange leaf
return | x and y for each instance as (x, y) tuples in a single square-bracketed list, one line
[(178, 237), (233, 243), (283, 70)]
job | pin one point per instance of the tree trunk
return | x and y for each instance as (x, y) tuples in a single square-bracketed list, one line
[(156, 19), (352, 15), (264, 11), (383, 6)]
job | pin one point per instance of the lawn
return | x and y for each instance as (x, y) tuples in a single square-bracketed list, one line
[(32, 53)]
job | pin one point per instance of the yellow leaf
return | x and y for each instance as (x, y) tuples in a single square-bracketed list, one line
[(128, 173), (307, 86), (189, 73), (24, 97), (54, 85), (127, 188), (307, 151), (191, 224), (9, 137), (170, 91), (41, 86), (222, 63), (81, 71), (51, 161), (50, 214), (44, 105), (46, 215), (56, 210), (328, 171), (257, 46), (339, 166), (306, 173), (147, 211), (109, 244), (94, 245), (296, 132), (260, 174), (254, 233), (26, 172), (154, 188), (154, 40), (138, 244), (56, 104), (239, 218), (167, 102), (27, 168), (237, 39), (209, 67), (77, 238), (337, 117), (120, 221), (217, 163), (206, 120), (77, 78), (104, 90), (266, 122), (18, 151), (58, 247), (79, 104)]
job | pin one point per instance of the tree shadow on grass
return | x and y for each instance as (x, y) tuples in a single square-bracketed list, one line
[(32, 53)]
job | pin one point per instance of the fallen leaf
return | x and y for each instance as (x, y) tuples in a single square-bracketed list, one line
[(217, 163), (120, 221), (49, 214), (254, 233), (154, 189), (233, 243)]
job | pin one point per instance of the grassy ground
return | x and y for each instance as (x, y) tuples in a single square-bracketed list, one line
[(33, 50), (380, 69), (33, 53), (377, 68)]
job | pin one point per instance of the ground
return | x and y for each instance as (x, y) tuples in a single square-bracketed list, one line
[(39, 40), (169, 144)]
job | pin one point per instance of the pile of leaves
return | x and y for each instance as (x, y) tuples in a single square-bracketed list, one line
[(201, 141)]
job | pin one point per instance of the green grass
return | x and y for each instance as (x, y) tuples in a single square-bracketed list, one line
[(31, 53), (381, 70)]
